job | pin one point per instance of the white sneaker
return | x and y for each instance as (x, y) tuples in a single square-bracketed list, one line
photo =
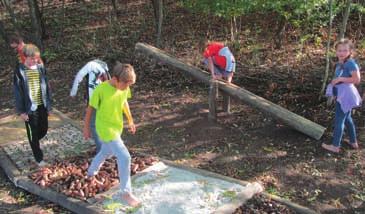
[(42, 164)]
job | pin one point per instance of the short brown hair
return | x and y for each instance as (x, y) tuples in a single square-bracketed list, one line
[(124, 72), (16, 39), (203, 43), (30, 50)]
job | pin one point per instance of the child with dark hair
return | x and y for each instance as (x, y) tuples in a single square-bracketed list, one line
[(96, 72), (17, 43)]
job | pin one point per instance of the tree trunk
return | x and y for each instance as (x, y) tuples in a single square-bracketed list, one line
[(160, 19), (325, 77), (234, 29), (12, 14), (344, 20), (115, 7), (289, 118), (36, 22), (280, 32), (158, 11), (61, 27), (3, 33), (40, 18)]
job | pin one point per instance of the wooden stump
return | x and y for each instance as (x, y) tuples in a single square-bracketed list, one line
[(212, 99)]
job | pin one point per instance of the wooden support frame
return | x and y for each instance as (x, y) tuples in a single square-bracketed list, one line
[(212, 100), (289, 118)]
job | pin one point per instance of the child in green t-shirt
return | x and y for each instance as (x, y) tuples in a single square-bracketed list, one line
[(109, 99)]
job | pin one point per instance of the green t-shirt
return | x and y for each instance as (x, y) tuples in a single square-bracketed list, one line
[(109, 102)]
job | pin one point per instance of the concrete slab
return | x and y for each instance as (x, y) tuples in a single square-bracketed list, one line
[(167, 189)]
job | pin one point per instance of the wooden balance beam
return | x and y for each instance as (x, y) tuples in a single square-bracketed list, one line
[(289, 118)]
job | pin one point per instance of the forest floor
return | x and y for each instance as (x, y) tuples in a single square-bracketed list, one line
[(170, 109)]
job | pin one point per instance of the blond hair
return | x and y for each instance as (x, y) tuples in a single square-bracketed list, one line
[(124, 73), (30, 50), (345, 41)]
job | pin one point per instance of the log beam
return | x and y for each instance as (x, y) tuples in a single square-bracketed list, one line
[(289, 118)]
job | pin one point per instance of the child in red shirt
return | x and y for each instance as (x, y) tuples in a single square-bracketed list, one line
[(17, 43), (220, 61)]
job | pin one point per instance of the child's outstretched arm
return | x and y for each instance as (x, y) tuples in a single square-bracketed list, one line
[(79, 76), (127, 112), (87, 133)]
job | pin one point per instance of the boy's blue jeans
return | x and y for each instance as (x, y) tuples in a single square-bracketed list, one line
[(118, 149), (341, 120), (93, 132)]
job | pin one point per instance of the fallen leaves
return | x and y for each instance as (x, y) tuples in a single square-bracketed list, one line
[(70, 176)]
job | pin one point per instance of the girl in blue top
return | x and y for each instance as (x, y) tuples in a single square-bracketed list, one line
[(347, 72)]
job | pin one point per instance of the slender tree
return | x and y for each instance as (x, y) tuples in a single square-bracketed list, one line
[(345, 19), (36, 22), (10, 10), (234, 30), (3, 32), (325, 77), (158, 11), (115, 7), (39, 14)]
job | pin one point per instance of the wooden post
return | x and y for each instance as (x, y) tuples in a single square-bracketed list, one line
[(291, 119), (212, 99), (226, 103)]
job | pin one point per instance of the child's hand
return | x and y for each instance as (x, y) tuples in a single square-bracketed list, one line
[(132, 128), (87, 133), (24, 116), (335, 81)]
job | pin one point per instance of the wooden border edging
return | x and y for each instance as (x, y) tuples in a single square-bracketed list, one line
[(72, 204), (27, 184), (298, 208), (291, 119), (9, 168)]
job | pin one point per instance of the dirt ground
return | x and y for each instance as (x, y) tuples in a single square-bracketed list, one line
[(170, 109)]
